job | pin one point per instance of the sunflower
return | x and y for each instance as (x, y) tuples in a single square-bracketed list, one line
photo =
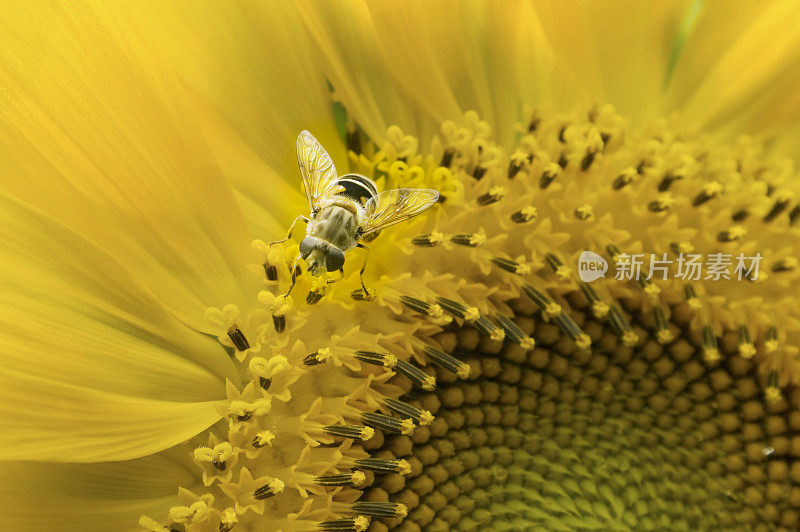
[(164, 379)]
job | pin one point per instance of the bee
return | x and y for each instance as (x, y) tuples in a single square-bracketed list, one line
[(345, 210)]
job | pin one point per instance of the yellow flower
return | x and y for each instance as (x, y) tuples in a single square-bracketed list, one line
[(148, 159)]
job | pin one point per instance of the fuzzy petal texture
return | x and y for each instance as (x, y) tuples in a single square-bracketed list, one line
[(349, 49), (275, 90), (449, 57), (741, 76), (94, 366), (618, 51), (96, 133), (417, 63), (268, 200), (90, 497)]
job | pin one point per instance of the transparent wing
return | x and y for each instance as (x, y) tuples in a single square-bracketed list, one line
[(316, 166), (394, 206)]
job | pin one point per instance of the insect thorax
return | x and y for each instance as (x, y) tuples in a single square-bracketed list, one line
[(336, 222)]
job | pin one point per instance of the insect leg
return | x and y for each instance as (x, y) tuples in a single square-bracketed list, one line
[(364, 267), (341, 276), (291, 228), (294, 275)]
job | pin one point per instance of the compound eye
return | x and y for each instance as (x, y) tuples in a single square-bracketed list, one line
[(307, 246), (334, 259)]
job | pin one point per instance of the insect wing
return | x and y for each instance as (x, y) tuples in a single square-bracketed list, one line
[(316, 166), (394, 206)]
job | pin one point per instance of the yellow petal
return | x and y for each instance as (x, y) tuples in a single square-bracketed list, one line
[(97, 134), (254, 63), (724, 68), (618, 51), (94, 366), (48, 420), (370, 83), (269, 200), (417, 63), (455, 56), (773, 115), (90, 497)]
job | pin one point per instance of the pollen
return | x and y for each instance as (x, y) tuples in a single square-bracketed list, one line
[(735, 232), (585, 212), (263, 438), (273, 487), (525, 215), (196, 513), (485, 385), (429, 240), (550, 172), (553, 309), (747, 350), (494, 195)]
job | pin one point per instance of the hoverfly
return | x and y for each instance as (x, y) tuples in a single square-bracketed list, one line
[(344, 210)]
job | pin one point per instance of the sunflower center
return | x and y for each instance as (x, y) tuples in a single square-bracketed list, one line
[(645, 411), (488, 385), (620, 438)]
